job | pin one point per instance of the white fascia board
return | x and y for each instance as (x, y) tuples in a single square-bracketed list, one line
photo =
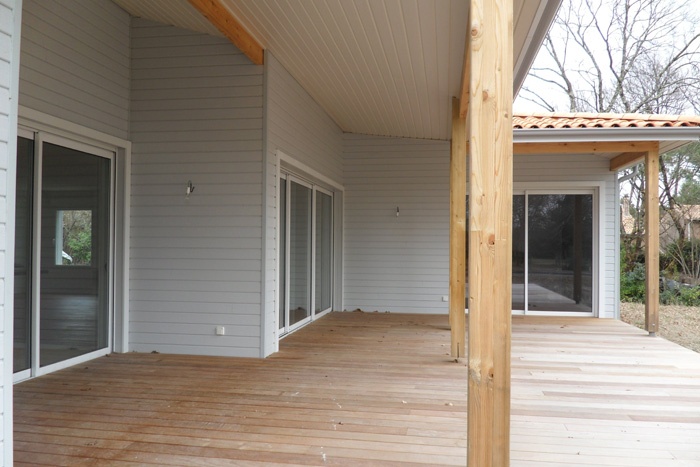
[(546, 12), (681, 135)]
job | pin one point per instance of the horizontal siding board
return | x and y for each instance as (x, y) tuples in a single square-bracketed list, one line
[(192, 83), (75, 62), (195, 263), (179, 309)]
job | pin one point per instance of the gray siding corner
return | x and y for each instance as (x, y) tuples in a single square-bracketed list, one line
[(10, 26), (299, 127)]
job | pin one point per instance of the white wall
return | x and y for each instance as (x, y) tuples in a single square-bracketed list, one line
[(75, 62), (299, 127), (197, 114), (395, 263), (401, 263), (10, 26)]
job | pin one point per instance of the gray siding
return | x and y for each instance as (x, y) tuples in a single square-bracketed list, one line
[(299, 127), (395, 263), (195, 264), (10, 21), (401, 263), (75, 62)]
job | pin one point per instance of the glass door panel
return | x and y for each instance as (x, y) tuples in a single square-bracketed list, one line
[(23, 255), (299, 253), (74, 280), (560, 252), (323, 252), (282, 307), (519, 226)]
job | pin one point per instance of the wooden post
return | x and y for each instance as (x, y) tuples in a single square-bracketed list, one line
[(490, 132), (578, 248), (458, 230), (651, 240)]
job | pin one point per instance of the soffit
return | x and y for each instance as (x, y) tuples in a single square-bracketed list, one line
[(381, 67)]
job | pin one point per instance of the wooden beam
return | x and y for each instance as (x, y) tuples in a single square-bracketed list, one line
[(626, 159), (466, 73), (221, 17), (458, 230), (588, 147), (651, 240), (490, 136)]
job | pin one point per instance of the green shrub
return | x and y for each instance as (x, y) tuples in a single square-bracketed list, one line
[(689, 296), (632, 287)]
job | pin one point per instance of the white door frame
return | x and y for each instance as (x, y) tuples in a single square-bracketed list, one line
[(42, 128)]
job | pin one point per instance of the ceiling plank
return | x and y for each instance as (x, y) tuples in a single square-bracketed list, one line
[(221, 17)]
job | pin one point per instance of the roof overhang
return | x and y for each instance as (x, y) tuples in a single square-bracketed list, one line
[(377, 67), (606, 142)]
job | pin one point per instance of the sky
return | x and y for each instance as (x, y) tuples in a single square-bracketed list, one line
[(576, 58)]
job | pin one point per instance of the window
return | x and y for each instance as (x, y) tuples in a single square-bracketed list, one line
[(73, 238)]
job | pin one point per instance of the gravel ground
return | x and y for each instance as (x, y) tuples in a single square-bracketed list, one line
[(679, 324)]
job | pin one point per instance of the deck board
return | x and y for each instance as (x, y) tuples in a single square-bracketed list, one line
[(371, 389)]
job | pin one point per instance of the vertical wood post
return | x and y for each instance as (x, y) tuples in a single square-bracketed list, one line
[(458, 231), (651, 240), (578, 248), (490, 133)]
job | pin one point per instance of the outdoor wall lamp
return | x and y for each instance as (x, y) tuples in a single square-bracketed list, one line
[(189, 189)]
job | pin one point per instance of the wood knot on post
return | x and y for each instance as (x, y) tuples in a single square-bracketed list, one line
[(492, 240), (475, 31), (485, 94)]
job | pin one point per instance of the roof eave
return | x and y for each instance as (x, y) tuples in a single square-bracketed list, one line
[(546, 13), (681, 135)]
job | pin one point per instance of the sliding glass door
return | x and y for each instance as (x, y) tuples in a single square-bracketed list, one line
[(305, 252), (553, 252), (62, 253), (560, 252)]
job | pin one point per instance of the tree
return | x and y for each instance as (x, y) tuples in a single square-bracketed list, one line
[(628, 56)]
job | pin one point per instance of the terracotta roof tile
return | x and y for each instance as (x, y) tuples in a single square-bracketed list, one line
[(602, 120)]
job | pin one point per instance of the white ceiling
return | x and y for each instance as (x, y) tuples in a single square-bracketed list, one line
[(382, 67)]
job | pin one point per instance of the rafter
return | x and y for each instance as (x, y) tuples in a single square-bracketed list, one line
[(626, 159), (221, 17)]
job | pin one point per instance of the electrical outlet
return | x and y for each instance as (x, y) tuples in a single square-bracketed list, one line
[(220, 331)]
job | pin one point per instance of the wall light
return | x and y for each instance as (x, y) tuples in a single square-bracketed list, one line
[(189, 189)]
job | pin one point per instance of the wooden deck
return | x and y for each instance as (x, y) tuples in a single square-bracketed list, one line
[(371, 389)]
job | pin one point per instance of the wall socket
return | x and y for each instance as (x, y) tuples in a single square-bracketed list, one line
[(220, 331)]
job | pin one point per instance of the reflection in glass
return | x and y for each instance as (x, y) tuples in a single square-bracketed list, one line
[(518, 287), (283, 254), (560, 253), (23, 254), (324, 249), (74, 299), (299, 253)]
